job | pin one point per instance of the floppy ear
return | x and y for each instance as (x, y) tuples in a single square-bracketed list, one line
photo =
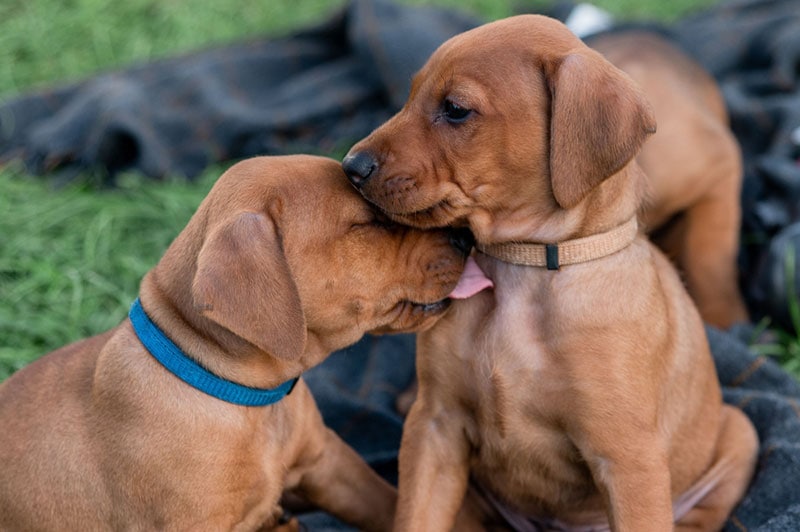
[(243, 283), (599, 120)]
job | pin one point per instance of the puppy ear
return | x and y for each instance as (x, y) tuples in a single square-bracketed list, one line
[(599, 120), (243, 282)]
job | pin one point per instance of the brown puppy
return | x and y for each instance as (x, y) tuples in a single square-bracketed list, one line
[(282, 264), (694, 170), (580, 390)]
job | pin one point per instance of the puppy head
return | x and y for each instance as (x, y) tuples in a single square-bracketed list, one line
[(291, 251), (513, 120)]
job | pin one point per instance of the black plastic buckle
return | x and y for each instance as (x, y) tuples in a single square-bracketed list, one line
[(551, 256)]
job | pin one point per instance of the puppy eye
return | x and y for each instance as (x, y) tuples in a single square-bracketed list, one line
[(376, 220), (382, 222), (455, 113)]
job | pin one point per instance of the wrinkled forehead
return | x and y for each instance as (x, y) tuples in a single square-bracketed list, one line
[(454, 70), (499, 56), (466, 72), (495, 43)]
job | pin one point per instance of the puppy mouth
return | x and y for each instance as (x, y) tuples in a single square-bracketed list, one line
[(402, 199), (414, 312), (429, 211), (433, 216), (472, 280), (410, 316), (431, 308)]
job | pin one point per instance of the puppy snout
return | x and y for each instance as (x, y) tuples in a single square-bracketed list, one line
[(359, 167), (462, 240)]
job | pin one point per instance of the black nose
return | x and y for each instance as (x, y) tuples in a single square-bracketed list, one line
[(359, 167), (462, 240)]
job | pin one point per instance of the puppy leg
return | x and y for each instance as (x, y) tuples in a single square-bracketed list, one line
[(282, 522), (340, 482), (630, 467), (737, 448), (292, 526), (434, 472), (704, 242), (406, 399)]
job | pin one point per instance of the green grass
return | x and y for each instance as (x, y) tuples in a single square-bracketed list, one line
[(784, 346), (45, 41), (71, 258)]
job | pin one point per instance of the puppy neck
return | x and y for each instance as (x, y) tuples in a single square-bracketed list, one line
[(174, 360), (541, 220), (166, 296)]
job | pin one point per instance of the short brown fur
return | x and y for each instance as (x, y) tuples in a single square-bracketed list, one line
[(694, 170)]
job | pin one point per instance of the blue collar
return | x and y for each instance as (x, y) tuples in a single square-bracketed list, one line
[(190, 372)]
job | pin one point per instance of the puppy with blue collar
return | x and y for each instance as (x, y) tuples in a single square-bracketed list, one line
[(191, 414)]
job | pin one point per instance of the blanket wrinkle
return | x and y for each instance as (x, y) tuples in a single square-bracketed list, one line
[(321, 88), (314, 91)]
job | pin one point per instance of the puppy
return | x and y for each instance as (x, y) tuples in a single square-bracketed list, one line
[(694, 170), (190, 415), (580, 392)]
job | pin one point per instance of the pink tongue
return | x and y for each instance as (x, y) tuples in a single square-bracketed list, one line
[(472, 281)]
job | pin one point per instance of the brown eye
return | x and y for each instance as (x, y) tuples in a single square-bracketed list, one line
[(454, 113), (373, 221)]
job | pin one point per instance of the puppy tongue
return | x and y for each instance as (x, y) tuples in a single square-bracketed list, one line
[(472, 281)]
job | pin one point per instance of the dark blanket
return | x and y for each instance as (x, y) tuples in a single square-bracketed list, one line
[(323, 88), (314, 91)]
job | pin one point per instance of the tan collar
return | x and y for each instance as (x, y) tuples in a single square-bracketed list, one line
[(553, 256)]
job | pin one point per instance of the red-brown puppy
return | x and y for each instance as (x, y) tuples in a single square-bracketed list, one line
[(581, 390), (282, 264), (694, 170)]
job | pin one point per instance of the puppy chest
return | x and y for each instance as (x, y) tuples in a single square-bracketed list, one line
[(523, 453), (512, 359)]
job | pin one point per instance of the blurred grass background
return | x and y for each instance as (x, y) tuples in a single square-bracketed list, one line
[(71, 257)]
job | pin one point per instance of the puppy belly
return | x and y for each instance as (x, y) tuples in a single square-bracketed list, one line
[(537, 470)]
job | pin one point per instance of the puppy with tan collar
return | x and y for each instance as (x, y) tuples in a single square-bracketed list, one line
[(190, 415), (580, 391)]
